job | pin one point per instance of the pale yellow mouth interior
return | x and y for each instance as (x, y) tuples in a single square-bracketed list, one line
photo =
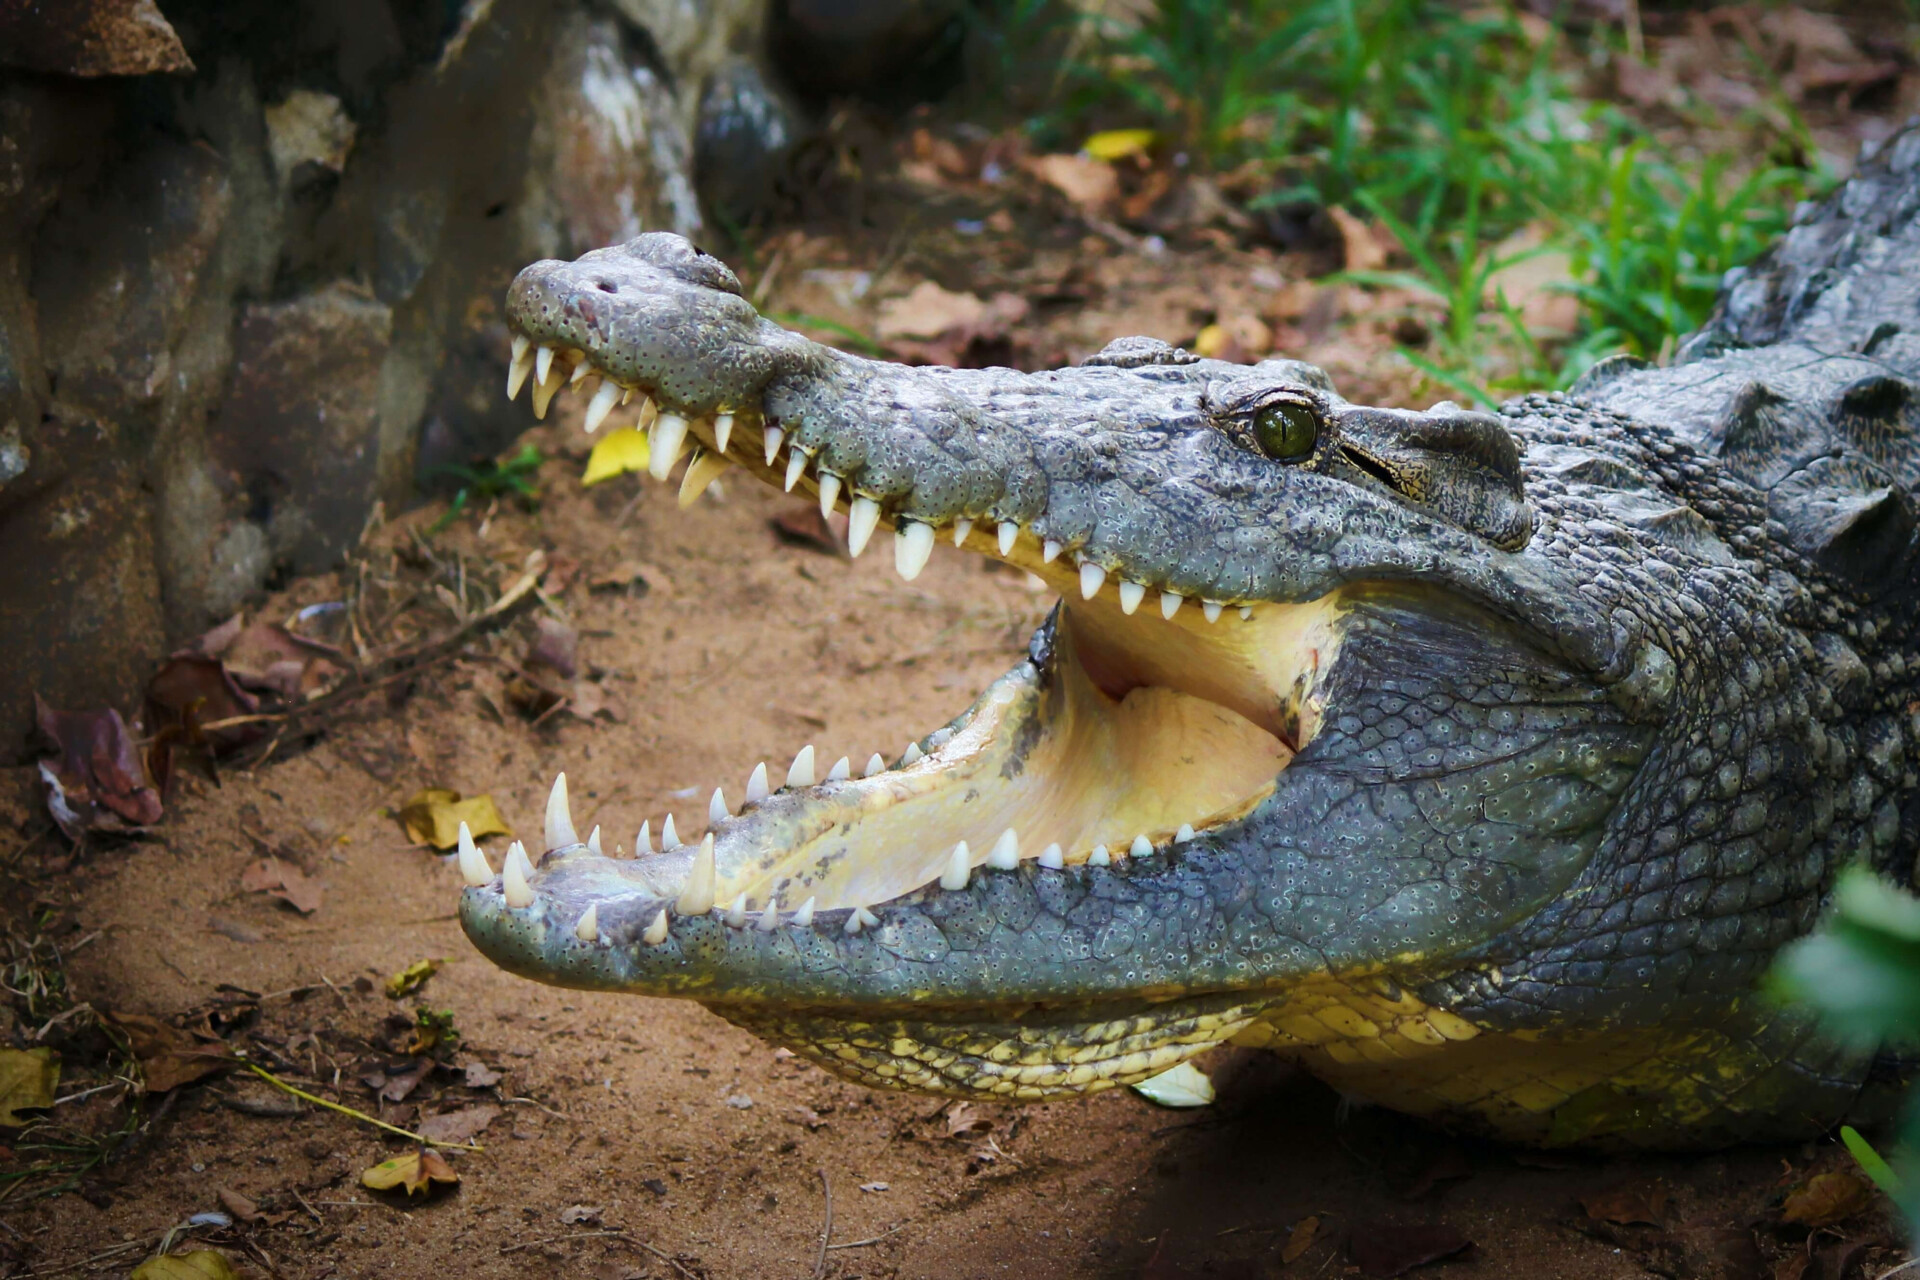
[(1141, 726)]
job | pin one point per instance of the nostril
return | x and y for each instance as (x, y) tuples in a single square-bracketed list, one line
[(606, 286)]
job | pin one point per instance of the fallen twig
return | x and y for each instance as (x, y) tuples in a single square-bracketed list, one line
[(318, 1101), (861, 1244), (826, 1227)]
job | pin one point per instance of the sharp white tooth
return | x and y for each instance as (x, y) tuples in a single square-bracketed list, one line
[(701, 472), (1131, 594), (474, 868), (800, 773), (1211, 609), (1170, 602), (513, 878), (912, 755), (1246, 612), (1049, 550), (841, 771), (959, 868), (853, 925), (521, 365), (773, 437), (646, 414), (717, 810), (1184, 834), (656, 933), (1005, 854), (669, 433), (737, 911), (1051, 858), (770, 918), (829, 493), (1009, 533), (722, 430), (875, 765), (542, 363), (1141, 847), (643, 842), (559, 820), (912, 544), (669, 838), (860, 919), (796, 467), (803, 918), (863, 515), (545, 388), (1099, 857), (961, 528), (757, 783), (1091, 576), (601, 405), (696, 897), (593, 843), (588, 930), (582, 370)]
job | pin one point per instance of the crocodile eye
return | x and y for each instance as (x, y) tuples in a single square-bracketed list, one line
[(1287, 431)]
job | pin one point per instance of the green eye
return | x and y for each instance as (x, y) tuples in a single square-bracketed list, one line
[(1287, 430)]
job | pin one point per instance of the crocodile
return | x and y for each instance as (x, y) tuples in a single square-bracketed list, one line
[(1481, 761)]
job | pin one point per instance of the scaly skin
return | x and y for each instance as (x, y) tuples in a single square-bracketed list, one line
[(1542, 733)]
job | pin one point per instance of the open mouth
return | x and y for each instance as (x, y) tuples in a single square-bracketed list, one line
[(1141, 720)]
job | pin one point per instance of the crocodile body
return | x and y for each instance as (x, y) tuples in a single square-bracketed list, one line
[(1482, 762)]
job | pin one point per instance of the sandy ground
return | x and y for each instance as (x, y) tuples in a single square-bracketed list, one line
[(643, 1137)]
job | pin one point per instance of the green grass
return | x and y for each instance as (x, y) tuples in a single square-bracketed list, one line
[(1454, 128), (1861, 973)]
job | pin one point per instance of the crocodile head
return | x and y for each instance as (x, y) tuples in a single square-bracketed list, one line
[(1336, 713)]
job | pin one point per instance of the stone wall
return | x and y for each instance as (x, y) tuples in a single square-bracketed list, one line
[(251, 255)]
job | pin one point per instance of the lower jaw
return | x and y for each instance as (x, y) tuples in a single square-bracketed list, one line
[(1024, 1056)]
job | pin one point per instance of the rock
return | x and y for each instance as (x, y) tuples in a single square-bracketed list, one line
[(887, 49), (609, 155), (308, 128), (299, 428), (90, 38), (746, 132)]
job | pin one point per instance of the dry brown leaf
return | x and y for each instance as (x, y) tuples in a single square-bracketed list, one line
[(927, 311), (1385, 1249), (459, 1126), (964, 1122), (28, 1078), (433, 817), (1300, 1239), (1361, 247), (169, 1057), (96, 780), (415, 1172), (1087, 182), (289, 884), (239, 1206), (1629, 1203), (1827, 1198)]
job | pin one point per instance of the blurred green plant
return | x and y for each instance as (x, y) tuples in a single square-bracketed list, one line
[(1861, 973), (492, 479), (1455, 127)]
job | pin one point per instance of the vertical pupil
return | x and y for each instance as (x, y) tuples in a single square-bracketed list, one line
[(1287, 431)]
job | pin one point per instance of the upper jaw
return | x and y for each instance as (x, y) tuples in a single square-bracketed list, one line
[(1098, 478)]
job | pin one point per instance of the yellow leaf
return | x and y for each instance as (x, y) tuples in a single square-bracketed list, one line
[(1118, 144), (415, 1172), (1182, 1086), (27, 1079), (1827, 1198), (411, 978), (434, 816), (201, 1264), (1211, 341), (618, 451)]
